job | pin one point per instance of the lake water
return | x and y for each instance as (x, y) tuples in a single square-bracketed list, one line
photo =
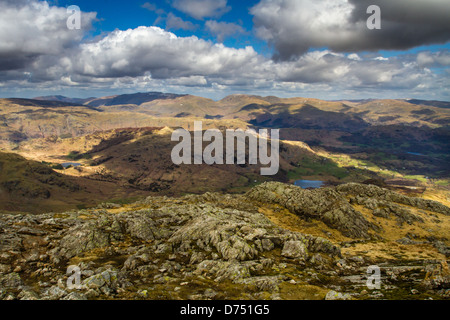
[(309, 184), (73, 164), (416, 153)]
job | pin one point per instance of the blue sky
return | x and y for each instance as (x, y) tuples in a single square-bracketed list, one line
[(213, 48), (133, 14)]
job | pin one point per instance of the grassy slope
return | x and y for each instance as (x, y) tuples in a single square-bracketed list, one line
[(30, 186), (53, 125)]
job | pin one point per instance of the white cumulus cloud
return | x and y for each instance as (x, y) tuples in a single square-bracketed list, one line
[(162, 53), (28, 32), (200, 9), (295, 26), (222, 30)]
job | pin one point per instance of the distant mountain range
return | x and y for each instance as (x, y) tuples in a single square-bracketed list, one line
[(141, 98), (136, 99), (64, 99), (433, 103)]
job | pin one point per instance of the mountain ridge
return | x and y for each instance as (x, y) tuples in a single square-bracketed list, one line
[(270, 99)]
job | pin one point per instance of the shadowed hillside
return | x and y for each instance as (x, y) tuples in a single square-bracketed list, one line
[(30, 186)]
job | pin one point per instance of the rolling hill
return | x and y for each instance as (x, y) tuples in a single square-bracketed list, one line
[(120, 139), (35, 187)]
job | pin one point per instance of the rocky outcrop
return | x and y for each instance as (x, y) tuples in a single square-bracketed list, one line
[(437, 276), (294, 249), (334, 206), (211, 246), (87, 236), (168, 242), (327, 205), (381, 194), (333, 295)]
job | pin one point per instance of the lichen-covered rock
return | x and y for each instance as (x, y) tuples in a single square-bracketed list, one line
[(326, 204), (75, 296), (11, 280), (213, 246), (260, 284), (437, 277), (318, 244), (220, 232), (5, 268), (442, 248), (89, 235), (334, 207), (334, 295), (54, 293), (140, 227), (267, 244), (238, 235), (28, 295), (372, 191), (106, 278), (295, 250), (223, 270), (386, 209)]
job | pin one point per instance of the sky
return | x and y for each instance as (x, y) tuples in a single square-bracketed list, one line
[(213, 48)]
